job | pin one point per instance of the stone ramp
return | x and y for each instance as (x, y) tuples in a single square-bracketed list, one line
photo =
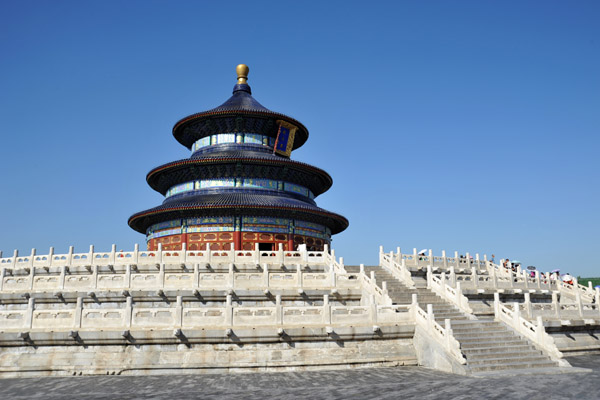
[(489, 346)]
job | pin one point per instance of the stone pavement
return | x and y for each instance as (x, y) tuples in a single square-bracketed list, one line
[(366, 383)]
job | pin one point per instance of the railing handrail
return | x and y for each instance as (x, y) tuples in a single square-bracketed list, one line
[(443, 335)]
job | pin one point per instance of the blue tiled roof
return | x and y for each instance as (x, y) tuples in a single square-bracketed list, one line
[(285, 206)]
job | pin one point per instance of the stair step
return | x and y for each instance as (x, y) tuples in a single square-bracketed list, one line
[(482, 334), (502, 354), (521, 348), (508, 360), (489, 344), (514, 365)]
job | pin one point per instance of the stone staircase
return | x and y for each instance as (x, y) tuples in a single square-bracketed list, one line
[(489, 346)]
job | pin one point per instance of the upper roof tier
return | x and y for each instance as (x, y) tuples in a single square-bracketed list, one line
[(240, 113)]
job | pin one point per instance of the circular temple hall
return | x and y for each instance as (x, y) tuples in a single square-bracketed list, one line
[(239, 189)]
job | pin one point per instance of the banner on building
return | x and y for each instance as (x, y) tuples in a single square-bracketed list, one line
[(285, 138)]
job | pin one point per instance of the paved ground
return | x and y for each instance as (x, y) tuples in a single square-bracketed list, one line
[(372, 383)]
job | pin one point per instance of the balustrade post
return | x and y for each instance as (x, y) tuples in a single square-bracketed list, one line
[(91, 255), (31, 277), (78, 312), (384, 288), (430, 317), (256, 255), (32, 257), (29, 316), (556, 305), (398, 254), (415, 256), (159, 253), (70, 257), (228, 311), (113, 254), (136, 252), (443, 280), (326, 310), (444, 259), (278, 310), (373, 309), (230, 277), (516, 314), (497, 304), (430, 256), (2, 275), (208, 254), (597, 297), (540, 330), (266, 276), (415, 300), (458, 294), (161, 276), (527, 304), (579, 303), (525, 276), (325, 249), (537, 279), (128, 276), (469, 263), (179, 312), (14, 258), (332, 278), (280, 254), (128, 314), (456, 260), (299, 276), (362, 268), (429, 277), (494, 278), (95, 276), (61, 278), (50, 256), (184, 252), (452, 277), (576, 285), (448, 329)]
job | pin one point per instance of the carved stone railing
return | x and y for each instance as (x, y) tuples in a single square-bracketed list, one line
[(558, 311), (495, 282), (139, 257), (447, 292), (76, 316), (534, 332), (441, 262), (397, 269), (370, 288), (442, 334), (198, 278)]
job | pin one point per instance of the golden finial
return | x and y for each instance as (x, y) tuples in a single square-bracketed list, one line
[(242, 73)]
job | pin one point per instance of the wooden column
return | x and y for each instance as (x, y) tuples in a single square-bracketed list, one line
[(237, 240)]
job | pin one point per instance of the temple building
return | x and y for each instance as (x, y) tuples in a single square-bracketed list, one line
[(239, 188)]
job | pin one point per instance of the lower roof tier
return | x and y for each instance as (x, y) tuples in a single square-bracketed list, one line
[(233, 164), (235, 204)]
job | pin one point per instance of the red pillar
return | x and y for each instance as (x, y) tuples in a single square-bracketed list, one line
[(237, 240), (184, 239), (290, 242)]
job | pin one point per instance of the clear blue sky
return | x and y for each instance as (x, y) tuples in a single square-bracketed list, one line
[(464, 125)]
